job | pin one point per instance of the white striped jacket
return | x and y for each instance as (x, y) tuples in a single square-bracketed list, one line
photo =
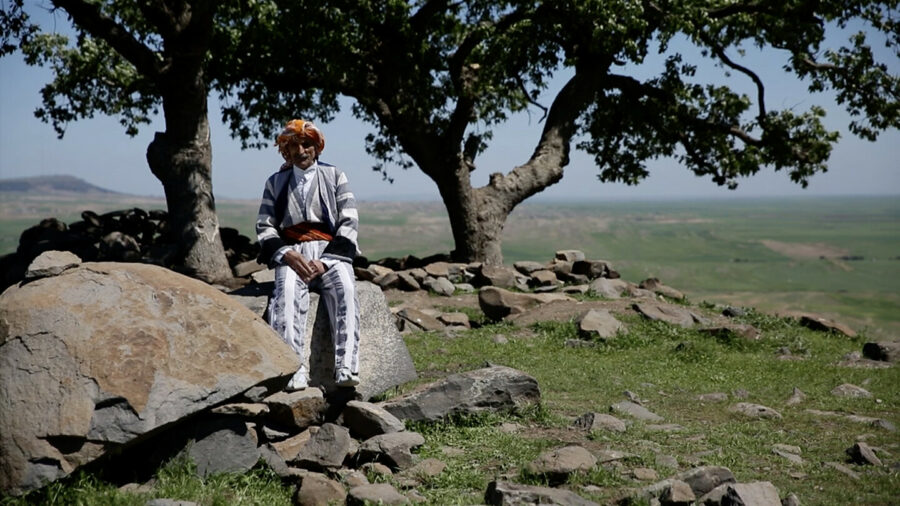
[(330, 201)]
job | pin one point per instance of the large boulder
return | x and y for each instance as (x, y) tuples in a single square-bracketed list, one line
[(384, 360), (107, 353), (490, 389)]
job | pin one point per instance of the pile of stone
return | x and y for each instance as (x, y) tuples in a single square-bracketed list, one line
[(442, 277), (131, 235)]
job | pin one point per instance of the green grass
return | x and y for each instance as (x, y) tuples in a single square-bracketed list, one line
[(668, 367)]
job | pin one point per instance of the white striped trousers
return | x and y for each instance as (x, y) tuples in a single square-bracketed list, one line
[(289, 307)]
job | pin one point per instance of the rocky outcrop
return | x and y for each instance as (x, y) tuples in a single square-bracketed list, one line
[(106, 353)]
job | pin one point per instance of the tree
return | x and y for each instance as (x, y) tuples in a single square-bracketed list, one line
[(434, 77), (128, 60)]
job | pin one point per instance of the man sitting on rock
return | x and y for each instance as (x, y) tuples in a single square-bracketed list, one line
[(307, 229)]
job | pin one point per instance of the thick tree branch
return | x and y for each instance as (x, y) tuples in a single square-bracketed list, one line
[(88, 16), (545, 167)]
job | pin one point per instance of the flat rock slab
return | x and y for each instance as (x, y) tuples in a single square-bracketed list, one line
[(598, 324), (490, 389), (104, 353), (558, 464), (51, 263), (507, 493), (635, 411), (599, 422), (818, 322), (751, 410), (669, 313)]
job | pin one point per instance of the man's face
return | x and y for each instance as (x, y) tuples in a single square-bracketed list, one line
[(301, 152)]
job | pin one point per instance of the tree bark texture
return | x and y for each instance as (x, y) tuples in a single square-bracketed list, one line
[(181, 158)]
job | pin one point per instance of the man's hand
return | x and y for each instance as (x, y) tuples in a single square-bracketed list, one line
[(308, 270)]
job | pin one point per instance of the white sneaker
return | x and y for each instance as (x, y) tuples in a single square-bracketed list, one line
[(299, 381), (345, 378)]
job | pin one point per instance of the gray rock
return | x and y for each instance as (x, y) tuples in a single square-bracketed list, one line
[(528, 267), (243, 409), (605, 456), (384, 360), (598, 324), (543, 278), (438, 269), (861, 453), (841, 468), (455, 320), (97, 376), (791, 500), (820, 323), (599, 422), (751, 410), (247, 268), (326, 449), (420, 320), (635, 411), (644, 474), (848, 390), (503, 493), (319, 490), (490, 389), (289, 448), (888, 351), (394, 449), (669, 313), (792, 457), (713, 397), (497, 303), (262, 277), (713, 497), (758, 493), (678, 493), (741, 330), (365, 420), (223, 445), (464, 287), (608, 288), (425, 470), (497, 275), (592, 269), (666, 461), (387, 280), (51, 263), (297, 410), (797, 397), (569, 255), (558, 464), (704, 479), (375, 493), (657, 287), (440, 286), (406, 282)]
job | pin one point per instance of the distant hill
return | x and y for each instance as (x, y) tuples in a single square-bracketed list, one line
[(44, 185)]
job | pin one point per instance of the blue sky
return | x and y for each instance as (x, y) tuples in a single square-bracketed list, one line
[(98, 150)]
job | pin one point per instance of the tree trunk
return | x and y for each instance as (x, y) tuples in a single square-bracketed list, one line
[(476, 217), (181, 158)]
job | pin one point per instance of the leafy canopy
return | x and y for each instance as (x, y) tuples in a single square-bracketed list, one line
[(435, 76)]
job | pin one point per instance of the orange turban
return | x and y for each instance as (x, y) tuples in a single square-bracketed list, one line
[(299, 129)]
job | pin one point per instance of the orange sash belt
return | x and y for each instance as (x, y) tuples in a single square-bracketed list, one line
[(306, 231)]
